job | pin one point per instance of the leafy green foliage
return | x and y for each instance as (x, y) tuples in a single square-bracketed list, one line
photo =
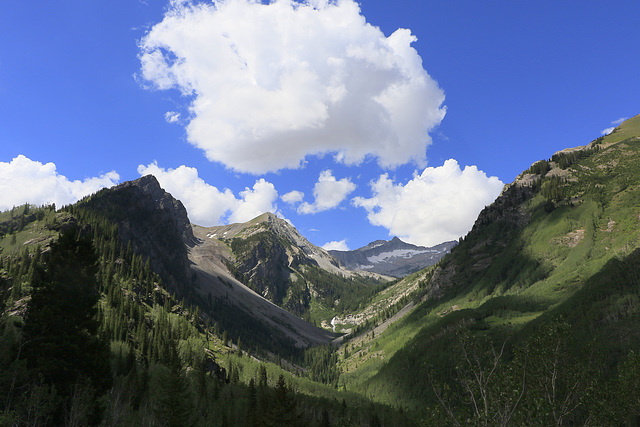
[(561, 247), (322, 363)]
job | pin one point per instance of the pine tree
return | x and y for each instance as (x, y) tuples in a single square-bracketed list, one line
[(253, 404), (172, 400), (283, 407), (61, 328)]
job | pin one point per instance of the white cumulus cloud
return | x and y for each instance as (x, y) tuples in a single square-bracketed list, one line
[(270, 84), (293, 197), (336, 246), (439, 205), (255, 201), (328, 193), (23, 180), (208, 206)]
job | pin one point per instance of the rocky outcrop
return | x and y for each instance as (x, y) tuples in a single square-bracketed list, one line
[(165, 202), (153, 223)]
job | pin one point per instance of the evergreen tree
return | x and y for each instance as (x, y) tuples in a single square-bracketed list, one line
[(172, 400), (61, 341), (283, 407)]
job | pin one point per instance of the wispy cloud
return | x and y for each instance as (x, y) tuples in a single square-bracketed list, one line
[(608, 130), (172, 117), (270, 84)]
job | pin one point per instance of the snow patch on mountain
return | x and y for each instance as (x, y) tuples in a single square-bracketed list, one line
[(393, 258), (398, 253)]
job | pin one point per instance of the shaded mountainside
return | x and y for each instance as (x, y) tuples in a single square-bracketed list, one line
[(558, 249), (155, 226), (258, 279), (393, 258), (153, 223)]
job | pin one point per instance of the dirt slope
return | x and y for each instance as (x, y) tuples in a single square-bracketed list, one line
[(208, 256)]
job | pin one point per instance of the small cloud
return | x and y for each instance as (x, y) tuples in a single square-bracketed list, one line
[(607, 131), (27, 181), (328, 193), (439, 205), (255, 201), (172, 117), (336, 246), (293, 197)]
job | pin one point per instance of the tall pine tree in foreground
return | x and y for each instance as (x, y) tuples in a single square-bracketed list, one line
[(61, 345)]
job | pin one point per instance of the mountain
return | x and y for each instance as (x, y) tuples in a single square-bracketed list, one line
[(196, 267), (262, 271), (548, 276), (269, 256), (392, 258), (91, 334), (152, 222)]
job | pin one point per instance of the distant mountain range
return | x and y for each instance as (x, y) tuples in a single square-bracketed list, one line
[(393, 257)]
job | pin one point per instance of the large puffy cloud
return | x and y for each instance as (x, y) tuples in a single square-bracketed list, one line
[(208, 206), (328, 193), (272, 83), (438, 205), (23, 180)]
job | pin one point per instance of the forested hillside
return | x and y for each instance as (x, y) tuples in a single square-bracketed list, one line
[(535, 316), (90, 334)]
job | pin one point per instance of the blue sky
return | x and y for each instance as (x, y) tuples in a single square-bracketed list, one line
[(323, 113)]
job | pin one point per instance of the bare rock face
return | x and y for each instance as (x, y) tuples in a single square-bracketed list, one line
[(164, 202)]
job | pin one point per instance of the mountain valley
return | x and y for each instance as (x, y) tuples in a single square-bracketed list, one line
[(223, 325)]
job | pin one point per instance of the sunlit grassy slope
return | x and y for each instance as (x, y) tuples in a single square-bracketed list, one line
[(549, 246)]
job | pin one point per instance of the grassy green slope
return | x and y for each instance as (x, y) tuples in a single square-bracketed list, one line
[(553, 248)]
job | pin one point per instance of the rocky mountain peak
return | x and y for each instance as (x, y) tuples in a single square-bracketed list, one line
[(164, 201)]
